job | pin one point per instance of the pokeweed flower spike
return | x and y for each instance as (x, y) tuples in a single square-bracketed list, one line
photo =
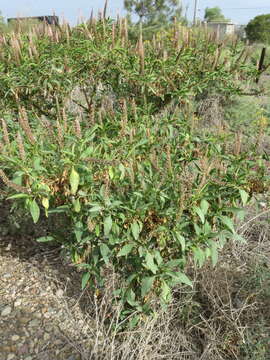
[(20, 145), (5, 132)]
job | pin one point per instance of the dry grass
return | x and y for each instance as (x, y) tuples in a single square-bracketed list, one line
[(225, 316)]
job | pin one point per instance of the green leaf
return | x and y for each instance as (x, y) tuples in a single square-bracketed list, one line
[(74, 180), (181, 240), (123, 170), (204, 206), (111, 173), (104, 250), (199, 213), (96, 208), (166, 294), (147, 283), (135, 230), (34, 210), (107, 225), (244, 196), (228, 222), (240, 238), (45, 239), (130, 295), (149, 263), (182, 278), (214, 253), (85, 279), (199, 256), (18, 196), (126, 249), (77, 206)]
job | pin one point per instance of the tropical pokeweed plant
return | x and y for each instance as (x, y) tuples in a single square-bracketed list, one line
[(139, 190), (140, 199)]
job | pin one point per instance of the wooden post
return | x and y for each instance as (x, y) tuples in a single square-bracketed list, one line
[(261, 64)]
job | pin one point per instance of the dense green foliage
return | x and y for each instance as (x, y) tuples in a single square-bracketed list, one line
[(258, 29), (154, 11), (214, 14), (101, 129)]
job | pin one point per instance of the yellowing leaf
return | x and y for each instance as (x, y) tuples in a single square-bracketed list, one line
[(74, 180), (45, 203)]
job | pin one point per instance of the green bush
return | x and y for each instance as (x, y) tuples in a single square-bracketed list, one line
[(140, 192), (258, 29)]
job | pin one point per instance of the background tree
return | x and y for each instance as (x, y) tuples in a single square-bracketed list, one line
[(214, 14), (152, 12), (258, 29)]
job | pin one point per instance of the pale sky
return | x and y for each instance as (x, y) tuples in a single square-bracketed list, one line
[(240, 11)]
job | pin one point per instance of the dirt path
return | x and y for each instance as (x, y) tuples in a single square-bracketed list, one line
[(36, 291)]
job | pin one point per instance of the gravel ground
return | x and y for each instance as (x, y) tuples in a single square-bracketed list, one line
[(37, 293)]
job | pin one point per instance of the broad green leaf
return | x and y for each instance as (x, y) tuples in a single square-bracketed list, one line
[(111, 173), (214, 253), (97, 230), (96, 208), (244, 196), (166, 293), (147, 283), (133, 322), (126, 249), (199, 256), (18, 196), (123, 170), (77, 206), (240, 238), (182, 278), (228, 222), (135, 230), (204, 206), (45, 239), (74, 180), (149, 263), (107, 225), (104, 250), (130, 295), (199, 213), (198, 230), (181, 240), (85, 279), (174, 263), (34, 210), (158, 257)]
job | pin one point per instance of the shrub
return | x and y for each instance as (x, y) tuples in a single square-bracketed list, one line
[(140, 191), (258, 29)]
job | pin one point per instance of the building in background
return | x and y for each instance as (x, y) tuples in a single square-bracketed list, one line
[(222, 29)]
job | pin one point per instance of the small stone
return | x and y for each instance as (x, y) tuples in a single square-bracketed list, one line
[(59, 293), (34, 323), (7, 310), (18, 303), (23, 349), (11, 356), (15, 338), (46, 337), (28, 358), (6, 276), (24, 320), (8, 247)]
